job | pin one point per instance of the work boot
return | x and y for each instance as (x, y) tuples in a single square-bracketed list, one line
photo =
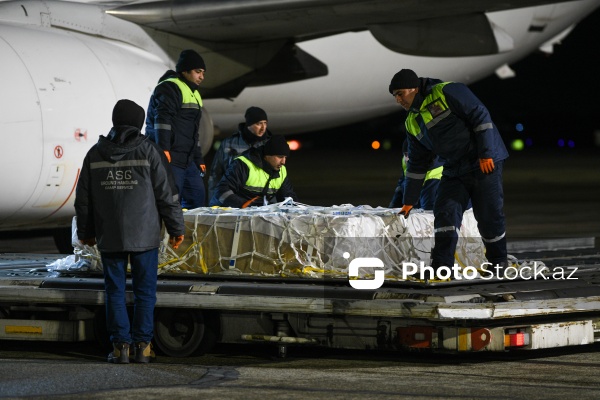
[(120, 354), (143, 352)]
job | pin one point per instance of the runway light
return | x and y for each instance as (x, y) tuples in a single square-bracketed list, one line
[(529, 142), (519, 127), (561, 143), (571, 144), (517, 144), (294, 145), (375, 145)]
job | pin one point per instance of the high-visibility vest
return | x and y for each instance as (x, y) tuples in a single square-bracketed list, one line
[(433, 109), (435, 173), (191, 99), (258, 179)]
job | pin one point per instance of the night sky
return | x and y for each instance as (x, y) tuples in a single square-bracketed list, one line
[(554, 96)]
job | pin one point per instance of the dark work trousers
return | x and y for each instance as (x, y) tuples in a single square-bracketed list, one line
[(190, 184), (487, 197), (144, 270)]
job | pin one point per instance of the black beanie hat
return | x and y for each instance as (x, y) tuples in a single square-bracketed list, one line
[(188, 60), (126, 112), (277, 146), (254, 115), (404, 79)]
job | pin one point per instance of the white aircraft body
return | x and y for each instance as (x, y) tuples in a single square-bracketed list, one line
[(311, 64)]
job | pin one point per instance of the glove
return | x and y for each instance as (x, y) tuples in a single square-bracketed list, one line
[(246, 204), (168, 155), (486, 165), (203, 168), (88, 242), (405, 210), (175, 241)]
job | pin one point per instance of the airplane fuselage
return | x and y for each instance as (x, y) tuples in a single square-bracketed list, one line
[(60, 82)]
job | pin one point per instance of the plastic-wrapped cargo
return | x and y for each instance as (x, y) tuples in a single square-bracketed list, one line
[(292, 240)]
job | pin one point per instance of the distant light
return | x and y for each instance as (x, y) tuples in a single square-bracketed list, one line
[(561, 143), (517, 144), (294, 145), (529, 142), (216, 144), (375, 145), (571, 144), (387, 145), (519, 127)]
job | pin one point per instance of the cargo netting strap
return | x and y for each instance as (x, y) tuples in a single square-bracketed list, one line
[(290, 239)]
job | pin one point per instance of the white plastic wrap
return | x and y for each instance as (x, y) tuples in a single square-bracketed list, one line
[(294, 240), (306, 241)]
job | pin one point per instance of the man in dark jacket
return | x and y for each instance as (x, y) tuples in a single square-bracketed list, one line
[(446, 119), (252, 133), (258, 177), (430, 186), (173, 122), (123, 195)]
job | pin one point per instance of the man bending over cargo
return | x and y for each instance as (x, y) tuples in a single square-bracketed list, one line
[(258, 177)]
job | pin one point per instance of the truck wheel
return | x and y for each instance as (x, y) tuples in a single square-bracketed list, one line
[(184, 332)]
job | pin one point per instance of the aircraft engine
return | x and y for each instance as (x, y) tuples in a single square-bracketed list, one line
[(60, 87)]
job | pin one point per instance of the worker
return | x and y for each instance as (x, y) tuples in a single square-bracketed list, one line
[(251, 133), (430, 186), (258, 177), (122, 198), (446, 119), (173, 122)]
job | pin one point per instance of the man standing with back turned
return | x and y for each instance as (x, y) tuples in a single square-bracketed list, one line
[(173, 121), (123, 195), (448, 120)]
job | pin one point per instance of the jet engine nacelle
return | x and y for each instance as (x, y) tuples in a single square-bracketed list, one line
[(63, 86)]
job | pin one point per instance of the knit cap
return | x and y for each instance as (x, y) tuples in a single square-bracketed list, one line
[(404, 79), (126, 112), (277, 146), (254, 115), (189, 60)]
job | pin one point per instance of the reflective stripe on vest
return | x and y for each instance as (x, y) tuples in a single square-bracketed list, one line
[(258, 178), (433, 109), (435, 173), (190, 99)]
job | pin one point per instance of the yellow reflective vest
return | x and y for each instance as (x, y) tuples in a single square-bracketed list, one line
[(258, 179)]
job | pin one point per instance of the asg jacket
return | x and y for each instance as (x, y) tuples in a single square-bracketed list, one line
[(124, 194)]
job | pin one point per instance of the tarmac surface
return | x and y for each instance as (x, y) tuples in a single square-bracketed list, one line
[(547, 195)]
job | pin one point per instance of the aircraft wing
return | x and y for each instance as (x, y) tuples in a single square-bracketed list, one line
[(252, 42), (251, 21)]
